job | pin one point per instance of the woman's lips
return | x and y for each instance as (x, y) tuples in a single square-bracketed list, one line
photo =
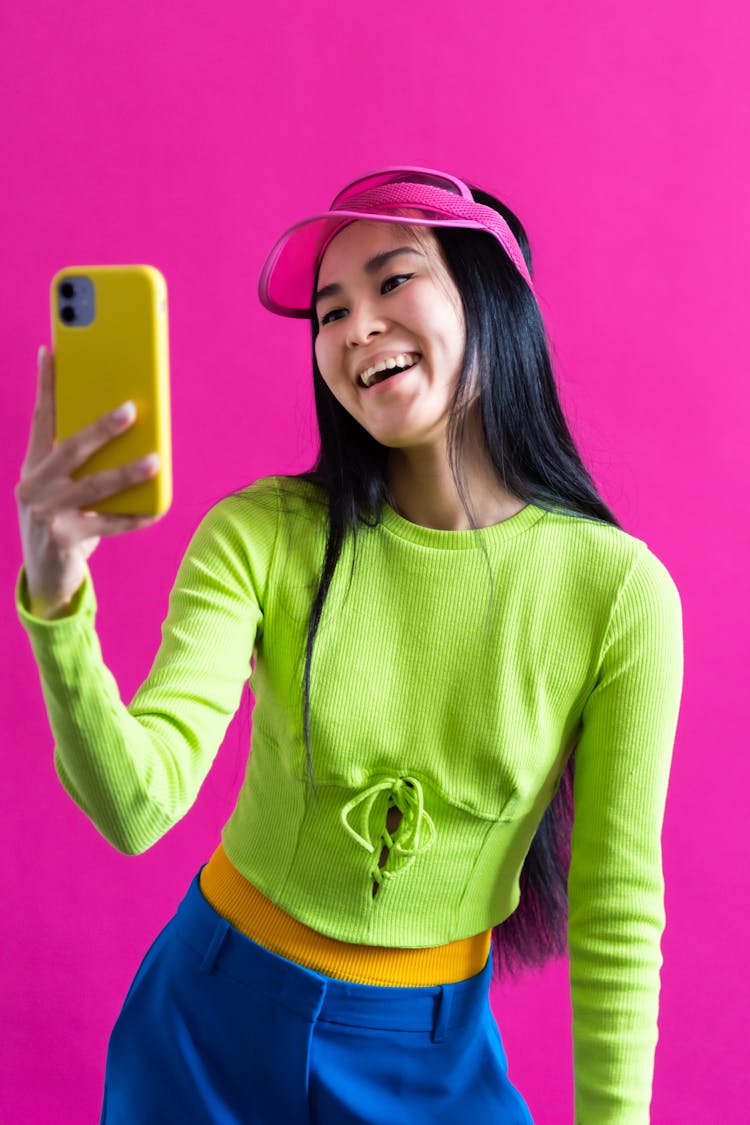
[(390, 380), (377, 370)]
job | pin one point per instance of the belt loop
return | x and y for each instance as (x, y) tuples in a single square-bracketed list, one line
[(320, 1002), (211, 955), (441, 1014)]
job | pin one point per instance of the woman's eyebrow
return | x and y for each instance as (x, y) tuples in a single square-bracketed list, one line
[(372, 265)]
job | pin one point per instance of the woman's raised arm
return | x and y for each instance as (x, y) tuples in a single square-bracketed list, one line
[(135, 770), (58, 534)]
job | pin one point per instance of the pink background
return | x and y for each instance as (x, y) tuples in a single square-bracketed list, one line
[(620, 135)]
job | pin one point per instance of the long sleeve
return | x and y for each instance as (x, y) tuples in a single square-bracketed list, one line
[(616, 886), (135, 770)]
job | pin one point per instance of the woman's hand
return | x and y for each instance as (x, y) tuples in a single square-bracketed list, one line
[(58, 533)]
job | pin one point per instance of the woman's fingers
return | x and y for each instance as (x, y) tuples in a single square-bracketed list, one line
[(115, 524), (75, 450), (81, 531), (59, 531), (42, 434), (87, 490), (62, 493), (47, 489), (49, 460), (78, 527)]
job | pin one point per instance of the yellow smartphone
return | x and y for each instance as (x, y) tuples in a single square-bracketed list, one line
[(110, 339)]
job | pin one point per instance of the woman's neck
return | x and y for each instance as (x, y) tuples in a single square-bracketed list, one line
[(424, 492)]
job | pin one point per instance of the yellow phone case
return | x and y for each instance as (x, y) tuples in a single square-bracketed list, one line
[(110, 339)]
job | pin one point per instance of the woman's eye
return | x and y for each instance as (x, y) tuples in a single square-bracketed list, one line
[(332, 314), (389, 283), (388, 286)]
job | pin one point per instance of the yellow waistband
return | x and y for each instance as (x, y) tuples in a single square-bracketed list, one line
[(249, 911)]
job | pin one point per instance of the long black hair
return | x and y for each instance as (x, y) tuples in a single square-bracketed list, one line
[(527, 437)]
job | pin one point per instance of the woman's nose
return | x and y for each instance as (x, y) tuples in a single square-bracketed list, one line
[(364, 322)]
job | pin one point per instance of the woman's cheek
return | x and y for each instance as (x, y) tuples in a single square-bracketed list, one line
[(339, 387)]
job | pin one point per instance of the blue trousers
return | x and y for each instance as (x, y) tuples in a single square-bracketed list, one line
[(217, 1029)]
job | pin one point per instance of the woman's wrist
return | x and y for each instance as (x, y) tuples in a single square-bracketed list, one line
[(46, 608), (50, 611)]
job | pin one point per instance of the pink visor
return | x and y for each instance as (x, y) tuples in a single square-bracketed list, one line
[(433, 199)]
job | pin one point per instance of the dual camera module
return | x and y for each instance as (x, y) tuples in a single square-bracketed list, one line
[(75, 301)]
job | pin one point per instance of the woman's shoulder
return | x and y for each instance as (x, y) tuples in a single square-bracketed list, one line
[(241, 531), (274, 497), (604, 553), (251, 521)]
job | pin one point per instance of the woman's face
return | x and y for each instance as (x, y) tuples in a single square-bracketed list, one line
[(386, 297)]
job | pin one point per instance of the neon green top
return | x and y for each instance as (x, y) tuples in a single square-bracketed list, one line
[(455, 697)]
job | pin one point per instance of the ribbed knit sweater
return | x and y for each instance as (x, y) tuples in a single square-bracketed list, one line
[(452, 674)]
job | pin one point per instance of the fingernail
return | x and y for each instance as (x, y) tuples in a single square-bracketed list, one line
[(124, 413), (151, 461), (40, 354)]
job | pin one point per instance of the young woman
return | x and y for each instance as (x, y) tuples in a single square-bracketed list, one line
[(457, 650)]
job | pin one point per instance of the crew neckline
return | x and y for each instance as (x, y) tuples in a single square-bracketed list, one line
[(442, 539)]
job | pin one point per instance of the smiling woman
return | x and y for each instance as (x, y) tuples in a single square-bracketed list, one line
[(466, 677)]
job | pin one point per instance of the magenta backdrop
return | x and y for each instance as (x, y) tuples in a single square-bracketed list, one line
[(620, 135)]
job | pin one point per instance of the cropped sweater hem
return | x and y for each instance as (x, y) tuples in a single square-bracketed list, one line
[(240, 903)]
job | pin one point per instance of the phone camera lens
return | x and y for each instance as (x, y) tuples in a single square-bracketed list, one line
[(67, 290), (67, 313)]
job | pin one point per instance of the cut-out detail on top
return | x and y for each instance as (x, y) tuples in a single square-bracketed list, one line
[(415, 832)]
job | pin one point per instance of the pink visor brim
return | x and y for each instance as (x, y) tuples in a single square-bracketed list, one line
[(288, 275), (287, 279)]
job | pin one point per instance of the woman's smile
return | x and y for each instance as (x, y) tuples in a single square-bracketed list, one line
[(388, 382), (382, 369)]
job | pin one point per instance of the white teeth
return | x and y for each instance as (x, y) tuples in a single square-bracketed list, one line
[(407, 359)]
